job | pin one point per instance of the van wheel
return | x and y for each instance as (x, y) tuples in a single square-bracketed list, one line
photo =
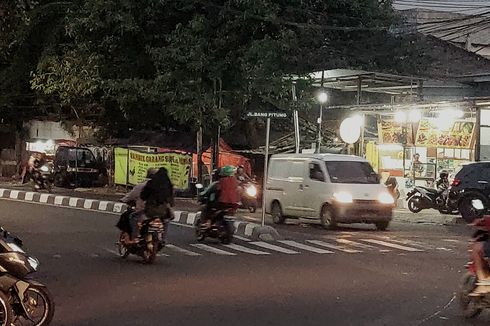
[(276, 212), (327, 218)]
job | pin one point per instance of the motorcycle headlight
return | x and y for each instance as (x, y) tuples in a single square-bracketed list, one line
[(15, 247), (343, 197), (386, 198), (251, 191), (33, 262), (44, 168)]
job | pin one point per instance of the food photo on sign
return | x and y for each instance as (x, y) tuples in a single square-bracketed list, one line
[(460, 134)]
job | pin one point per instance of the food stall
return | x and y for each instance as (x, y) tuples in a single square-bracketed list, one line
[(416, 147)]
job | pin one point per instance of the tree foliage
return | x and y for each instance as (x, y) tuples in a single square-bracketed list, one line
[(189, 63)]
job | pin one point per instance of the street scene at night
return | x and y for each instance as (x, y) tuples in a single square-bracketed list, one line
[(225, 162)]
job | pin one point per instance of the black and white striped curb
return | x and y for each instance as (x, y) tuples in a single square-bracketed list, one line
[(247, 229)]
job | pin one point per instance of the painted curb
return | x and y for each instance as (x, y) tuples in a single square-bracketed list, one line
[(247, 229)]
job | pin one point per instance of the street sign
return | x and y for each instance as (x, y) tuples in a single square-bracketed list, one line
[(272, 115)]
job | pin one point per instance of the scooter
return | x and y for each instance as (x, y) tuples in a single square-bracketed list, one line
[(150, 241), (30, 301), (221, 226), (249, 196), (43, 178), (471, 304), (425, 198)]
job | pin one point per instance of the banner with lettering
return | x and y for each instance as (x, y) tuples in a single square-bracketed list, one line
[(178, 166)]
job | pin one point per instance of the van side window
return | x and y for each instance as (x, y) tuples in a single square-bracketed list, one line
[(316, 172), (278, 169), (296, 169)]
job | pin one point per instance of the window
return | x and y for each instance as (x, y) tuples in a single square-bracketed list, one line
[(278, 169), (316, 172), (351, 172), (296, 169)]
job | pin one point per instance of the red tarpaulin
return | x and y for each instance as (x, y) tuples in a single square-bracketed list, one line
[(226, 157)]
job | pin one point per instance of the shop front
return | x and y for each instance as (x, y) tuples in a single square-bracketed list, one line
[(415, 146)]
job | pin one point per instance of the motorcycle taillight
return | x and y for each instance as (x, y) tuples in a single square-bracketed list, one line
[(456, 182)]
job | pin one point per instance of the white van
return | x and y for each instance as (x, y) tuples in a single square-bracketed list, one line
[(330, 187)]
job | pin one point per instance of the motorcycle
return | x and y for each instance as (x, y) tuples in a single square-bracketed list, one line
[(221, 227), (473, 305), (249, 196), (43, 178), (30, 301), (425, 198), (150, 241)]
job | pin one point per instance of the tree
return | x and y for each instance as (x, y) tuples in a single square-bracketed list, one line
[(188, 63)]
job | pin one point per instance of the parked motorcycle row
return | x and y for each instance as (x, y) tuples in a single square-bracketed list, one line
[(22, 299)]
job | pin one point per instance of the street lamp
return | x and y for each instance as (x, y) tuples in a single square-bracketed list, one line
[(322, 98)]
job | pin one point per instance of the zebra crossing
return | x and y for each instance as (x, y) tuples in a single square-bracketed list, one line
[(323, 246)]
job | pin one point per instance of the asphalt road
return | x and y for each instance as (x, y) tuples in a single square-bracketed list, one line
[(352, 276)]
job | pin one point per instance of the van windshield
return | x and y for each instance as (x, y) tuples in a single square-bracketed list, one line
[(351, 172)]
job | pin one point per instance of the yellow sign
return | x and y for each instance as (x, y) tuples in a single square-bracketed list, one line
[(459, 135), (178, 166)]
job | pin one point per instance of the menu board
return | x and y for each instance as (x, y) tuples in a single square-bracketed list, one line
[(460, 135), (391, 132)]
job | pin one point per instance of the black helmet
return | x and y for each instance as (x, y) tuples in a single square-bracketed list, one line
[(443, 175)]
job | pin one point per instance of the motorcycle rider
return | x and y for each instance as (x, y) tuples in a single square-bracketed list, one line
[(134, 197), (158, 195), (443, 182), (481, 252), (223, 194)]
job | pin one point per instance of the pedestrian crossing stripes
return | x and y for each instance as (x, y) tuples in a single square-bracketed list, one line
[(326, 246)]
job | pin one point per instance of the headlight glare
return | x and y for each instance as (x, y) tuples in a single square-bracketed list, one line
[(251, 191), (386, 198), (343, 197)]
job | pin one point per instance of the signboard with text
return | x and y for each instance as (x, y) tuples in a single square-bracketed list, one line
[(272, 115)]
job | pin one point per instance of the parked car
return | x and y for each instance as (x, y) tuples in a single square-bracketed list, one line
[(471, 182), (75, 166), (330, 188)]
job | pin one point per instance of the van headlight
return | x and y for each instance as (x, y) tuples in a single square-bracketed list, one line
[(386, 198), (343, 197)]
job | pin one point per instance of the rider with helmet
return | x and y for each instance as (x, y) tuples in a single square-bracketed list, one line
[(223, 194), (443, 182)]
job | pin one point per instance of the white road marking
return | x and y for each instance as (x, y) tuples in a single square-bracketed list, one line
[(177, 216), (392, 245), (249, 229), (332, 246), (305, 247), (162, 255), (241, 238), (73, 202), (29, 196), (191, 218), (2, 191), (118, 207), (246, 250), (353, 243), (273, 247), (58, 200), (44, 198), (212, 249), (182, 250), (103, 205), (88, 203), (14, 194)]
